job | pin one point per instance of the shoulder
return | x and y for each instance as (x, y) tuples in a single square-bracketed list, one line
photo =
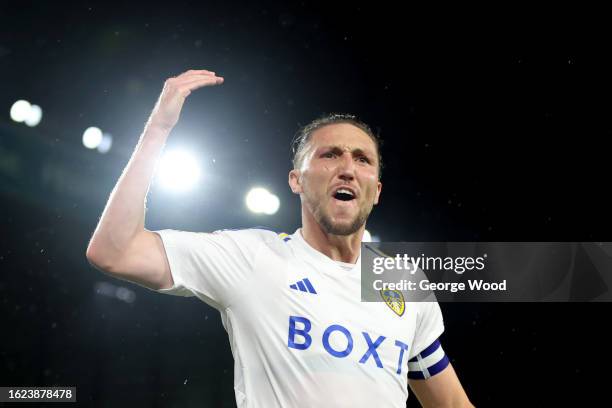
[(252, 235), (245, 240)]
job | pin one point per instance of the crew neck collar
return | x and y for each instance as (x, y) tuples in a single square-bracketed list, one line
[(321, 257)]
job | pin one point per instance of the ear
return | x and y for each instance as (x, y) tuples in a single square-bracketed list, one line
[(378, 190), (295, 181)]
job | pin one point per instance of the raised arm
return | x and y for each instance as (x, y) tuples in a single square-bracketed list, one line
[(120, 245)]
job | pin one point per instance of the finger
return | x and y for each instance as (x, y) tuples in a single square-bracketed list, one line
[(201, 82), (182, 79), (197, 72), (186, 85)]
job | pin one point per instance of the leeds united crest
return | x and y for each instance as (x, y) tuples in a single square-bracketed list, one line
[(395, 300)]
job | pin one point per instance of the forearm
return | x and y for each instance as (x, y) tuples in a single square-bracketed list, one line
[(123, 219), (124, 215)]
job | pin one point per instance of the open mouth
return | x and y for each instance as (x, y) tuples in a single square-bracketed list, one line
[(344, 194)]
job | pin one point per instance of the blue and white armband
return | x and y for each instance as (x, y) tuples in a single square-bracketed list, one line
[(428, 363)]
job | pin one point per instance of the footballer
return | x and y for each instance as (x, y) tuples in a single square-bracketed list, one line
[(290, 303)]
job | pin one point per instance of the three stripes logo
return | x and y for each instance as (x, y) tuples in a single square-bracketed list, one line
[(304, 285)]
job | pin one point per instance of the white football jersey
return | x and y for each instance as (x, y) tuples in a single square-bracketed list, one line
[(299, 333)]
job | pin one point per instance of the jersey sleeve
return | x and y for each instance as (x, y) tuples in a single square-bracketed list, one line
[(429, 362), (430, 326), (427, 358), (211, 266)]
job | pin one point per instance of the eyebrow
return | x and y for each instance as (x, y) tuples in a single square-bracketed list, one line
[(357, 151)]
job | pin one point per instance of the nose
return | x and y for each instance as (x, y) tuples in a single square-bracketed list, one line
[(347, 167)]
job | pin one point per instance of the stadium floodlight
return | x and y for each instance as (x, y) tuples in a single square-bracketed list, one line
[(178, 171), (272, 205), (261, 201), (34, 116), (92, 137), (106, 143), (20, 110)]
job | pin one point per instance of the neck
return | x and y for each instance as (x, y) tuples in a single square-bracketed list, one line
[(343, 248)]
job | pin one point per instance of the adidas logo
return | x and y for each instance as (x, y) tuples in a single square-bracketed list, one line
[(304, 285)]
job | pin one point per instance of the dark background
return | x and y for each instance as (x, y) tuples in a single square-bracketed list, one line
[(495, 121)]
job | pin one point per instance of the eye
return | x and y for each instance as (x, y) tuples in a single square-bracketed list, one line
[(364, 159), (328, 155)]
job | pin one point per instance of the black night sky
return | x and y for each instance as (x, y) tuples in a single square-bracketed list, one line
[(495, 124)]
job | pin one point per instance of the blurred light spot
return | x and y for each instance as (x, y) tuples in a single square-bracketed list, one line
[(20, 110), (105, 143), (117, 292), (92, 137), (104, 288), (368, 237), (125, 294), (261, 201), (178, 171), (34, 116)]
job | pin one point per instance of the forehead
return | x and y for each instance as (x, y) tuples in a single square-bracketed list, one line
[(343, 135)]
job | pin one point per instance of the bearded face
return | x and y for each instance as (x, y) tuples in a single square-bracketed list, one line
[(338, 178)]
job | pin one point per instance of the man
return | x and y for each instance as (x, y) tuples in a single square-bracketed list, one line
[(290, 303)]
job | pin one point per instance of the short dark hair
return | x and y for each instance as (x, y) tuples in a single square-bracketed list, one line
[(303, 135)]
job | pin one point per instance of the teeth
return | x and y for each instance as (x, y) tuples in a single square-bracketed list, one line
[(345, 191)]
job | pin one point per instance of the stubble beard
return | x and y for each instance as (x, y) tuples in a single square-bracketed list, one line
[(326, 223)]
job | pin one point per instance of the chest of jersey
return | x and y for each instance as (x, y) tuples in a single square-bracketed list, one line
[(313, 314)]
